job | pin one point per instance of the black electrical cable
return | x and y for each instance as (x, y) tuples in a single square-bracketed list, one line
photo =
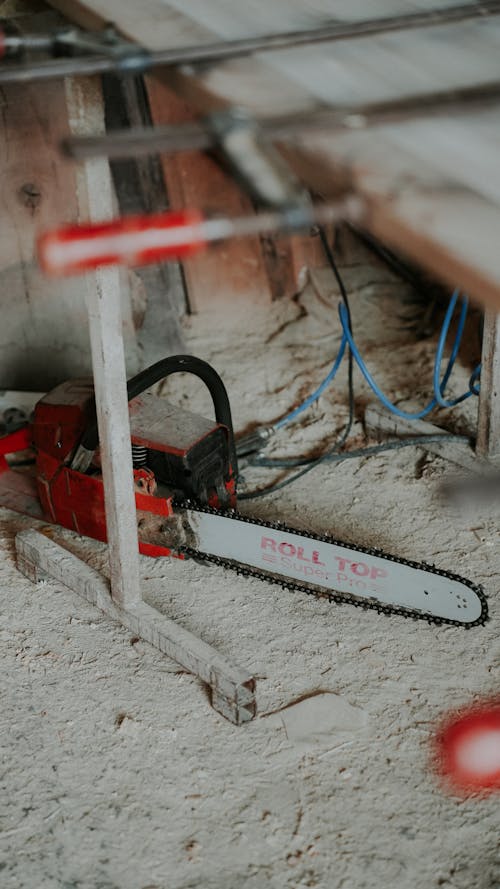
[(331, 457), (345, 299), (369, 451)]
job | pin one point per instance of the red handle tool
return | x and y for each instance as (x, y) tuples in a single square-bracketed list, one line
[(139, 240), (133, 240)]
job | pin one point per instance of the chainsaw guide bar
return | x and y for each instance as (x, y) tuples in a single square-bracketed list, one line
[(382, 582)]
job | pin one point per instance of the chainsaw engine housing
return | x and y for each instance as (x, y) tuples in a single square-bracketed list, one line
[(188, 455)]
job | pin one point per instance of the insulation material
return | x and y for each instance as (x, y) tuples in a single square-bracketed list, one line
[(120, 774)]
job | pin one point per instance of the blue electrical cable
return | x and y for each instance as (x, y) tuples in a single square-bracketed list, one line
[(473, 377), (406, 415), (348, 340), (442, 338), (319, 391), (439, 387)]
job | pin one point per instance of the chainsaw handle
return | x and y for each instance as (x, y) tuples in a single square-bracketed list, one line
[(161, 370)]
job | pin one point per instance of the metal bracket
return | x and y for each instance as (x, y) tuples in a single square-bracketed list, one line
[(254, 161), (73, 42)]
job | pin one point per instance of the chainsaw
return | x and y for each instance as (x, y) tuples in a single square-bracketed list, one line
[(185, 479)]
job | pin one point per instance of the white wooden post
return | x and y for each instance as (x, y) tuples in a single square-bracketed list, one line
[(488, 431), (108, 363), (108, 360)]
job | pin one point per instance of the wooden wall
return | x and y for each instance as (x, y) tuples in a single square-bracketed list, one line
[(43, 334)]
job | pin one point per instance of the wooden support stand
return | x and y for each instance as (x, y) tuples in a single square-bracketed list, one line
[(38, 558), (232, 689)]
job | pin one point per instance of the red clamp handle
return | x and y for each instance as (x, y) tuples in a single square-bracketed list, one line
[(133, 240)]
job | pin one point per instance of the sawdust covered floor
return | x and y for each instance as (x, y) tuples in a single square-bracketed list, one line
[(117, 774)]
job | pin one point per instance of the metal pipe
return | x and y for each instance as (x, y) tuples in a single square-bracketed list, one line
[(139, 60), (288, 128)]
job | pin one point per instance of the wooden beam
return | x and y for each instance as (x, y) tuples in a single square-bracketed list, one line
[(232, 689), (44, 335), (488, 433), (445, 229)]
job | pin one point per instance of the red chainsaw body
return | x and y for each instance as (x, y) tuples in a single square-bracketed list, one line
[(188, 456), (70, 498)]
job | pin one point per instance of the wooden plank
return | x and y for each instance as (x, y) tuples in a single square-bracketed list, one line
[(168, 22), (108, 364), (445, 228), (44, 335), (36, 191), (336, 73), (448, 146), (362, 70), (488, 433), (232, 689)]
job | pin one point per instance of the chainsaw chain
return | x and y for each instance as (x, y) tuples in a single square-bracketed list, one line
[(337, 598)]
